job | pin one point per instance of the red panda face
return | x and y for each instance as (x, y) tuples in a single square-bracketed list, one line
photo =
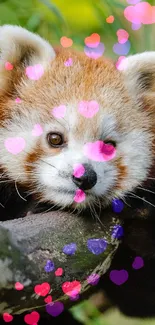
[(72, 135)]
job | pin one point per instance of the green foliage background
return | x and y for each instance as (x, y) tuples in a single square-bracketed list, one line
[(78, 19)]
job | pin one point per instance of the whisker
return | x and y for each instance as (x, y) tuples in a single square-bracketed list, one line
[(138, 197), (18, 192), (146, 190)]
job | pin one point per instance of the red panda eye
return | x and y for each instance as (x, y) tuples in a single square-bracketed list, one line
[(55, 139), (110, 142)]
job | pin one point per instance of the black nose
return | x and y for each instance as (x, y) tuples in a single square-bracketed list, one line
[(87, 180)]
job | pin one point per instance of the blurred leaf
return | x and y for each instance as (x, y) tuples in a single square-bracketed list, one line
[(33, 22), (51, 6), (119, 4)]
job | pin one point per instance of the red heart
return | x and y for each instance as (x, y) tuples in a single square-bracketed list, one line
[(93, 40), (59, 271), (8, 66), (7, 317), (32, 318), (110, 19), (66, 42), (48, 299), (42, 289), (71, 288)]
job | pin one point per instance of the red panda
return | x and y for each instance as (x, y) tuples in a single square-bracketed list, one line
[(54, 116), (40, 149)]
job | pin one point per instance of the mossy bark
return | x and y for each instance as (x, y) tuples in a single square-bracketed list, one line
[(26, 245)]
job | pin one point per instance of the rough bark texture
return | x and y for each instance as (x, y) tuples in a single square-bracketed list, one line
[(26, 245)]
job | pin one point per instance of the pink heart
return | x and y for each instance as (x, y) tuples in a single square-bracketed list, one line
[(32, 318), (19, 286), (88, 108), (42, 289), (59, 111), (18, 100), (122, 36), (68, 62), (79, 196), (8, 66), (121, 63), (7, 317), (142, 12), (37, 130), (14, 145), (34, 72), (79, 170), (48, 299), (99, 151)]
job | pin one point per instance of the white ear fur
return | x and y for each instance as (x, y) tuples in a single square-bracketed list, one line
[(21, 47), (139, 73)]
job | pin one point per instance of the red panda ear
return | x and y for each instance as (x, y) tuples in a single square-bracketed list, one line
[(139, 73), (21, 48)]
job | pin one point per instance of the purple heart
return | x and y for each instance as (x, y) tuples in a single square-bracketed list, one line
[(94, 53), (136, 26), (119, 277), (122, 49), (97, 246), (55, 309), (138, 263), (74, 298), (93, 279), (49, 267), (117, 205), (117, 231), (70, 249)]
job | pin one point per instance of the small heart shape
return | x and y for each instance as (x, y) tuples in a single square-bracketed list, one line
[(34, 72), (122, 49), (66, 42), (15, 145), (55, 309), (110, 19), (79, 196), (79, 170), (122, 36), (68, 62), (48, 299), (18, 100), (99, 151), (59, 271), (7, 317), (96, 52), (59, 111), (138, 263), (88, 108), (70, 249), (32, 318), (37, 130), (119, 277), (97, 245), (93, 40), (42, 289), (8, 66), (19, 286), (71, 288)]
